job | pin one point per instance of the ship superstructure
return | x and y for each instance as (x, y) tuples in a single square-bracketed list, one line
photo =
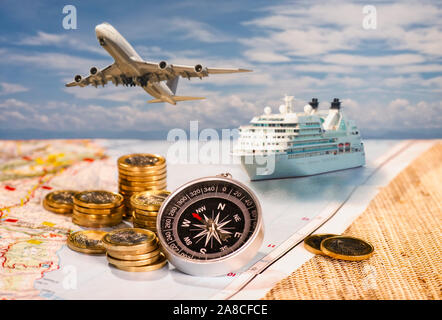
[(300, 143)]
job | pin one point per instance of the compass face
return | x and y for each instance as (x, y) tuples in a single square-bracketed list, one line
[(208, 220)]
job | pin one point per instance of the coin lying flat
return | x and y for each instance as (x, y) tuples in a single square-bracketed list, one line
[(162, 261), (154, 186), (132, 263), (104, 211), (149, 200), (313, 242), (146, 224), (60, 198), (347, 248), (129, 193), (145, 213), (137, 175), (98, 217), (143, 184), (141, 162), (140, 217), (87, 241), (143, 178), (129, 240), (100, 199), (141, 226), (141, 256), (56, 209), (94, 224)]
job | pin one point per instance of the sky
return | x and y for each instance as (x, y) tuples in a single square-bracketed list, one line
[(388, 75)]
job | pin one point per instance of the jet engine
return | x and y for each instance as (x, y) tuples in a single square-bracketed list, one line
[(93, 70), (77, 78), (163, 65), (200, 69)]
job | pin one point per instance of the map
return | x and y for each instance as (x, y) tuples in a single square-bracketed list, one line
[(30, 236), (35, 262)]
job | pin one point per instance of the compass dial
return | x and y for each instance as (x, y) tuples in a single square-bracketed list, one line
[(212, 222)]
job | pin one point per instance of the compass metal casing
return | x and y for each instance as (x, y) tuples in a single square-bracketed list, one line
[(217, 266)]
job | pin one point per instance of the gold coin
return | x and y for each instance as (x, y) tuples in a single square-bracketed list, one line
[(154, 186), (135, 171), (93, 224), (142, 174), (127, 217), (313, 242), (61, 198), (134, 252), (151, 224), (141, 162), (143, 218), (56, 210), (347, 248), (98, 217), (151, 267), (145, 178), (129, 239), (149, 200), (98, 199), (87, 241), (140, 226), (131, 257), (141, 183), (145, 213), (127, 194), (80, 209), (132, 263)]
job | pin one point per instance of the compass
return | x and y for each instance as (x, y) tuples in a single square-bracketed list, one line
[(210, 226)]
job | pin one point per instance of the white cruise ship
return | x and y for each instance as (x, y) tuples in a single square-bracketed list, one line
[(292, 144)]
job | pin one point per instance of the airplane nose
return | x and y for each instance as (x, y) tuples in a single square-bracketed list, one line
[(99, 30)]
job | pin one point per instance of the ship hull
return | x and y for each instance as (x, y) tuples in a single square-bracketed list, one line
[(286, 167)]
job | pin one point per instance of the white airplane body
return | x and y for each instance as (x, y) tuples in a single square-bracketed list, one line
[(160, 80)]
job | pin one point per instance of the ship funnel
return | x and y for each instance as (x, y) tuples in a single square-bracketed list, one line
[(336, 104), (314, 103)]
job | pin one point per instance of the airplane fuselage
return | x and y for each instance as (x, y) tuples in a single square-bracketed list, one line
[(125, 57)]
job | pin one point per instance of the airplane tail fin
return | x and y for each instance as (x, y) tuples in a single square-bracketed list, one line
[(176, 99), (173, 84)]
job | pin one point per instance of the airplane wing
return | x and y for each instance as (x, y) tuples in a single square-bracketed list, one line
[(163, 71), (101, 77)]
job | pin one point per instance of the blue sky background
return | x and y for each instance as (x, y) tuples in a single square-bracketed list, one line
[(390, 79)]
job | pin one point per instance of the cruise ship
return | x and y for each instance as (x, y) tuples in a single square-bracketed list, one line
[(293, 144)]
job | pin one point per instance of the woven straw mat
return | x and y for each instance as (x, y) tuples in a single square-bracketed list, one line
[(403, 223)]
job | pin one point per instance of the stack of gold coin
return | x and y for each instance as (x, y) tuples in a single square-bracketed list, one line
[(97, 208), (60, 201), (133, 249), (87, 241), (145, 207), (140, 172)]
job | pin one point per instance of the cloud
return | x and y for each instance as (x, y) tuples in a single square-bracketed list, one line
[(297, 30), (265, 56), (384, 60), (50, 60), (196, 30), (60, 40), (11, 88)]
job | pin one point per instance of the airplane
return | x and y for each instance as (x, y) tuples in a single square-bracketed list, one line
[(160, 80)]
